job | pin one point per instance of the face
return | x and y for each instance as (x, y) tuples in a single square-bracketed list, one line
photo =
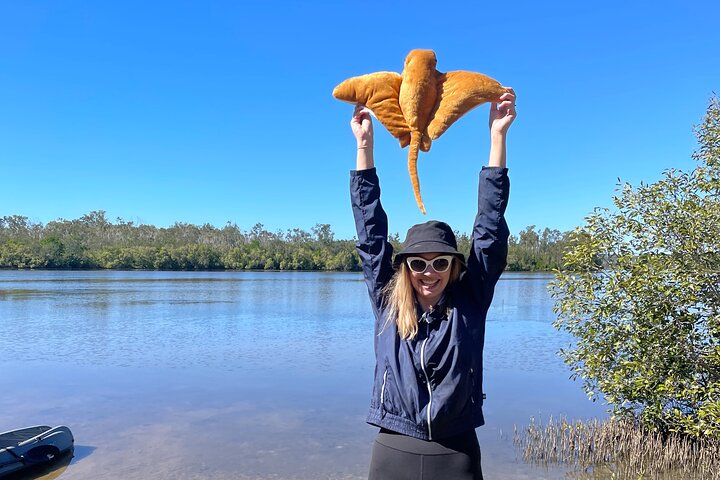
[(429, 285)]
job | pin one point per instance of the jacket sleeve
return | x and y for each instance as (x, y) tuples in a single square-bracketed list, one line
[(372, 232), (488, 255)]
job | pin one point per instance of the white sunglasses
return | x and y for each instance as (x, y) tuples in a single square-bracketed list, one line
[(440, 264)]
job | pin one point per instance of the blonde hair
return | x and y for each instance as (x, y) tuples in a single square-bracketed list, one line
[(401, 302)]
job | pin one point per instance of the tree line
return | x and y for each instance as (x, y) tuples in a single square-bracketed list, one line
[(94, 242)]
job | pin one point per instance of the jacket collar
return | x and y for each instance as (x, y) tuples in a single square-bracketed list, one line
[(438, 311)]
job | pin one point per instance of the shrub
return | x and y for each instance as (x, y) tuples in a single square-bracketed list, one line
[(640, 292)]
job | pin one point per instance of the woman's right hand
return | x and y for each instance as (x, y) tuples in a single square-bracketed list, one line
[(362, 127)]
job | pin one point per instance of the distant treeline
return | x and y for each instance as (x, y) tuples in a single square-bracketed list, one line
[(93, 242)]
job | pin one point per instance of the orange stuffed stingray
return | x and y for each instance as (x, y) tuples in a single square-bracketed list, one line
[(419, 105)]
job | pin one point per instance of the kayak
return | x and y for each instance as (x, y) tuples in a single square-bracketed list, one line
[(32, 446)]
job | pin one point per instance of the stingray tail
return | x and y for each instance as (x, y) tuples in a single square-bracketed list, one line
[(415, 140)]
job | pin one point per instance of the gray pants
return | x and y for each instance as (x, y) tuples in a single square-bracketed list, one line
[(399, 457)]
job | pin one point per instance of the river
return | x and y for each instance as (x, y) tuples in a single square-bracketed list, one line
[(245, 375)]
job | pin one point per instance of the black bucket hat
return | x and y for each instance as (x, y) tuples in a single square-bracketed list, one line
[(429, 237)]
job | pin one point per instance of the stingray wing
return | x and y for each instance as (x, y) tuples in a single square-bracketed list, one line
[(458, 93), (379, 92)]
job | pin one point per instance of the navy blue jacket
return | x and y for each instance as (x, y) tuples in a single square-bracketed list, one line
[(430, 387)]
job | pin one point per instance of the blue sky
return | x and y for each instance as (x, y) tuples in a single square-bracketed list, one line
[(217, 111)]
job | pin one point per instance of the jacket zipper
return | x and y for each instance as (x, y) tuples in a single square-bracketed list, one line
[(382, 390), (472, 393), (427, 379)]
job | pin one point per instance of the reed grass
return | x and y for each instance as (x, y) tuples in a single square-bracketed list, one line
[(618, 449)]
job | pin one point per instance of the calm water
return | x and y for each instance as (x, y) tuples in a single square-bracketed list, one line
[(247, 375)]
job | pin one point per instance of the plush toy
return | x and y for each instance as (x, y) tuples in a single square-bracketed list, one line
[(420, 104)]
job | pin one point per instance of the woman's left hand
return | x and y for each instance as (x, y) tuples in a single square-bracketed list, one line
[(502, 114)]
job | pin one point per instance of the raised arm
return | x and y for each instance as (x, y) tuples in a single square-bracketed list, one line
[(502, 116), (370, 219), (488, 255)]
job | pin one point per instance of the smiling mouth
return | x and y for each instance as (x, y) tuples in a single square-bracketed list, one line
[(426, 283)]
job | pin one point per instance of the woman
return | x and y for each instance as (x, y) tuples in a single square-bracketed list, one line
[(430, 307)]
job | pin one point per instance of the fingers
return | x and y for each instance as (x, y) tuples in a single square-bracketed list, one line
[(361, 118), (356, 118), (507, 102), (509, 95), (361, 125), (502, 113), (361, 112), (508, 91)]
